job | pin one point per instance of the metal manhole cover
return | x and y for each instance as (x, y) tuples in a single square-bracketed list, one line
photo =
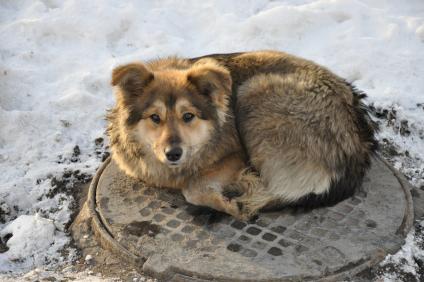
[(172, 240)]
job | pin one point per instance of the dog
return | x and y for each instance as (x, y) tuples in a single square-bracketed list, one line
[(241, 132)]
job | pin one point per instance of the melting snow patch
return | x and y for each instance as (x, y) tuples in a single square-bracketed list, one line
[(31, 241), (407, 262)]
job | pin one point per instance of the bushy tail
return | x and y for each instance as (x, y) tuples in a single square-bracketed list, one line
[(355, 166)]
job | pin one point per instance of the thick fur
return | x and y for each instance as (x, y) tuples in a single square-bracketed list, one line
[(269, 128)]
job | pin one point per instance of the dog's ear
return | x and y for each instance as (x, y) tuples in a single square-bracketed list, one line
[(132, 78), (212, 81)]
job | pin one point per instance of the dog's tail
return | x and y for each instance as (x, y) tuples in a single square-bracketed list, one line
[(355, 167)]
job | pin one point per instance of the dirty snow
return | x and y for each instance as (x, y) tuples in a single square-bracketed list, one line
[(56, 58), (29, 229)]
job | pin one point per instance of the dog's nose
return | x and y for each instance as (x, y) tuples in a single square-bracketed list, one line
[(174, 154)]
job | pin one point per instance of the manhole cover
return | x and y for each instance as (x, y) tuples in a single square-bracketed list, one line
[(172, 240)]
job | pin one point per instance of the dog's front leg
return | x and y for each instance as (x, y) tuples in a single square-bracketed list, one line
[(207, 189)]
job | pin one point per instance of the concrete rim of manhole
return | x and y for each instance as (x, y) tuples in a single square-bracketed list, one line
[(108, 241)]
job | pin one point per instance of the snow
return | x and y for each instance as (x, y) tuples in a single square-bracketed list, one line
[(33, 240), (88, 258), (406, 258), (40, 274), (56, 58)]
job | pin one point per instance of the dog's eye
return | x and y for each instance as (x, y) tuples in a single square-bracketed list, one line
[(155, 118), (187, 117)]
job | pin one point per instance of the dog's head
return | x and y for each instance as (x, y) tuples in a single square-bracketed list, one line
[(173, 112)]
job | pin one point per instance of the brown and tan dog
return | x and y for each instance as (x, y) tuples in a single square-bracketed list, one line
[(243, 131)]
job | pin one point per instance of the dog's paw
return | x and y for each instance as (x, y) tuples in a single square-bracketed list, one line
[(235, 195), (244, 213)]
